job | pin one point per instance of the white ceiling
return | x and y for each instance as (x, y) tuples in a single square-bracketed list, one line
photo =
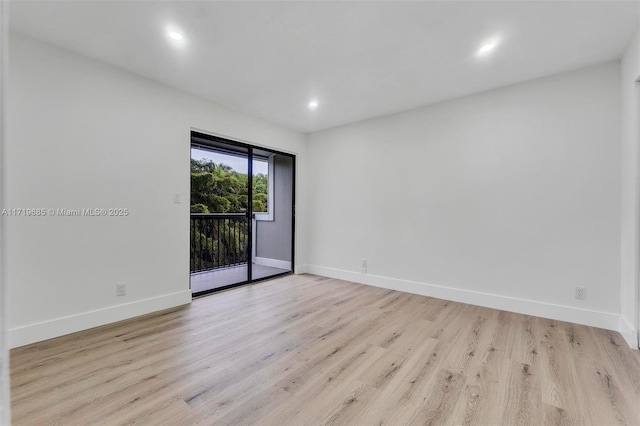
[(358, 59)]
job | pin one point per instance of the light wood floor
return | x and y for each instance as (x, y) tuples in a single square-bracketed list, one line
[(308, 350)]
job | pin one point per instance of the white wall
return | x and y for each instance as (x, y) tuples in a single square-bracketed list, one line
[(5, 403), (630, 191), (507, 199), (84, 134)]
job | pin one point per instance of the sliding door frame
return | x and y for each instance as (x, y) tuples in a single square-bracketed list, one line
[(208, 141), (637, 236)]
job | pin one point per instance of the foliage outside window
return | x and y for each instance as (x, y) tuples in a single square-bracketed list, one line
[(217, 188)]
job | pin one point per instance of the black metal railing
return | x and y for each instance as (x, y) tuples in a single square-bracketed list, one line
[(218, 240)]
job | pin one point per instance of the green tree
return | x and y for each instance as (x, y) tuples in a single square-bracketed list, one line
[(217, 188), (223, 190)]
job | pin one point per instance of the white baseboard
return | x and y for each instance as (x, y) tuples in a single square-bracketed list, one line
[(301, 269), (274, 263), (24, 335), (629, 332), (607, 320)]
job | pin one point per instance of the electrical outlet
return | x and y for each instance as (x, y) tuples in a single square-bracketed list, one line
[(121, 289), (581, 293), (176, 198), (364, 266)]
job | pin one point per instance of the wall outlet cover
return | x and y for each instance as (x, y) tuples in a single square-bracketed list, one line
[(121, 289)]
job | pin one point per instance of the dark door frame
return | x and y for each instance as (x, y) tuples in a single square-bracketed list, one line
[(208, 141)]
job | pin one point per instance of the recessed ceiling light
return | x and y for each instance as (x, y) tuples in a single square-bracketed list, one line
[(174, 35), (486, 48), (313, 104)]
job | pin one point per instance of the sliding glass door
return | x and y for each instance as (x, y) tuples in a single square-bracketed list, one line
[(241, 221), (272, 215)]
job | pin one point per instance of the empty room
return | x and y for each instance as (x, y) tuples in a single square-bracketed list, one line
[(319, 212)]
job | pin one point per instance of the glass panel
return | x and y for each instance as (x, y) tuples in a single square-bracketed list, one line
[(272, 239), (219, 228), (261, 182)]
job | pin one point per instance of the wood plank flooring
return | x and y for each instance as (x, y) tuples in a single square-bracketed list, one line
[(309, 350)]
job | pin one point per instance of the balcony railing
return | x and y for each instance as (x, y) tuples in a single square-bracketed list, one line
[(218, 240)]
